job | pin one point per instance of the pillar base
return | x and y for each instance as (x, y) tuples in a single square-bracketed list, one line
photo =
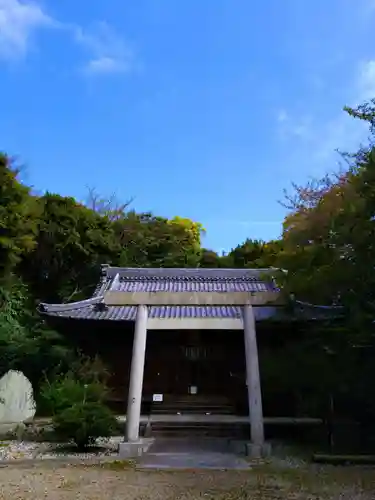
[(134, 449), (258, 450)]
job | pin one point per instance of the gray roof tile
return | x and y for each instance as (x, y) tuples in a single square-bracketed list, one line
[(190, 286), (199, 273), (172, 280), (128, 313)]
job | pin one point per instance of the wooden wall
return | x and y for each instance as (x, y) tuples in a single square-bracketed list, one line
[(214, 361)]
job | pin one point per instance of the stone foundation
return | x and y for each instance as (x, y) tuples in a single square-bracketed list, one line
[(258, 450), (134, 449)]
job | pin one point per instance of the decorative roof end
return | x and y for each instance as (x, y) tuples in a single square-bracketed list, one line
[(104, 269), (100, 307)]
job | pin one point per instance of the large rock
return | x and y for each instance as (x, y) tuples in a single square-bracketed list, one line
[(17, 402)]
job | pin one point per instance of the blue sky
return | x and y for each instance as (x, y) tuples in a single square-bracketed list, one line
[(199, 108)]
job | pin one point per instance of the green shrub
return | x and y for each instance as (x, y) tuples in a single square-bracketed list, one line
[(78, 409), (66, 390), (90, 369), (87, 379), (84, 422)]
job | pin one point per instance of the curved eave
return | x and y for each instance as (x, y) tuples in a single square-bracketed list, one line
[(95, 310), (98, 311), (57, 309)]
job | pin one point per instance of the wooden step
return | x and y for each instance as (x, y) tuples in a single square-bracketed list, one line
[(184, 410), (199, 429), (193, 404)]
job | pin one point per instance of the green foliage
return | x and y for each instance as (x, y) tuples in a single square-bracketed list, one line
[(90, 370), (210, 259), (150, 241), (26, 344), (83, 422), (66, 390), (18, 218), (72, 242), (85, 380), (255, 254), (78, 409), (329, 252), (329, 234)]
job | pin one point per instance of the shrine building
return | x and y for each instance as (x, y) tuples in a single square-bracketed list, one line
[(181, 339)]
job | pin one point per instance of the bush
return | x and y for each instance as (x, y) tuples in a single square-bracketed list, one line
[(78, 409), (66, 391), (84, 422), (90, 370), (87, 379)]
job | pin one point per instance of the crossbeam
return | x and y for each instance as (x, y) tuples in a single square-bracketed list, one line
[(116, 298)]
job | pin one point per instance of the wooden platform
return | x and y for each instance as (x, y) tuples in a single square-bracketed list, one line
[(223, 426)]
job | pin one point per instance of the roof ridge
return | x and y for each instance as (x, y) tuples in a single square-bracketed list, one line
[(191, 278), (201, 272)]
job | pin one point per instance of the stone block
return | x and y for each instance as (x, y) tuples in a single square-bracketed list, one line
[(258, 450), (134, 449), (17, 402)]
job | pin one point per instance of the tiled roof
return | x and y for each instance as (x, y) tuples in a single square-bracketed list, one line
[(176, 280), (163, 285), (168, 280), (187, 280), (128, 313), (94, 309)]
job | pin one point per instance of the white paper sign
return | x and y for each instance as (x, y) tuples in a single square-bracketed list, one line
[(193, 389), (157, 398)]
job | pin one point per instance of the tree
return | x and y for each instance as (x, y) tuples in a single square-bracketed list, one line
[(108, 207), (26, 343), (328, 236), (209, 259), (255, 254), (72, 242), (150, 241), (18, 218), (329, 253)]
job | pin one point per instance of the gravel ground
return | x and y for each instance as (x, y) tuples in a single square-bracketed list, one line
[(116, 481), (22, 450)]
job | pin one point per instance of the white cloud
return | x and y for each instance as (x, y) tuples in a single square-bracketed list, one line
[(343, 132), (105, 65), (290, 127), (366, 80), (108, 51), (19, 19), (338, 133), (282, 116)]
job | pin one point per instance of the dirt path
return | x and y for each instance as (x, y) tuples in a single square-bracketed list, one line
[(113, 483)]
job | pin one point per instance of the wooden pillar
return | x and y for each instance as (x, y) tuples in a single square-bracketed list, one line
[(136, 375), (253, 381)]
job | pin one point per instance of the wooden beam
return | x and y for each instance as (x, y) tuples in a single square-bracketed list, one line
[(195, 324)]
